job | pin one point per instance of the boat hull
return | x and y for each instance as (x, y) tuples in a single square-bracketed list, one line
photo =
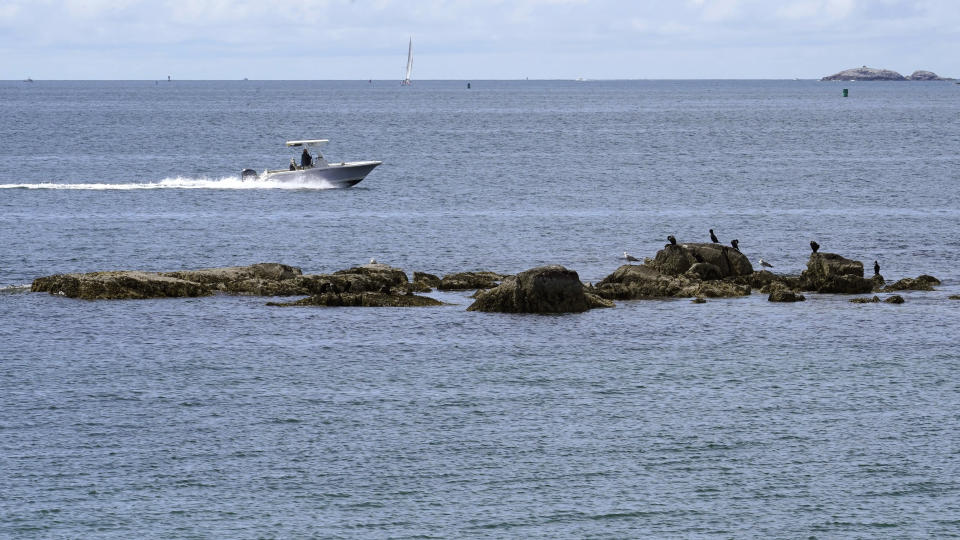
[(338, 175)]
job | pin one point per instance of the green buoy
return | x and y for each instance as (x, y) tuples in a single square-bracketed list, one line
[(845, 92)]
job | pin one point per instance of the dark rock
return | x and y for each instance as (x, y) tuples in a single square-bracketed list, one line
[(831, 273), (674, 260), (633, 282), (545, 289), (878, 282), (781, 293), (919, 283), (429, 280), (699, 300), (118, 285), (465, 281), (895, 299), (954, 297), (865, 74), (363, 299), (704, 270), (873, 300), (263, 279)]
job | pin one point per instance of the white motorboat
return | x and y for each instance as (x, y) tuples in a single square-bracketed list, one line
[(343, 174)]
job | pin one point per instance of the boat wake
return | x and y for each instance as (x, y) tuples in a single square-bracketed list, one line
[(229, 182)]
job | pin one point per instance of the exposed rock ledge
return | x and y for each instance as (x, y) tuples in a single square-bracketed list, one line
[(874, 74)]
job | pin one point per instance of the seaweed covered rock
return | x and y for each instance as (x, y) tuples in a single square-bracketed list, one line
[(633, 282), (865, 300), (428, 280), (894, 299), (832, 273), (676, 259), (363, 299), (919, 283), (465, 281), (120, 285), (262, 279), (781, 293), (545, 289)]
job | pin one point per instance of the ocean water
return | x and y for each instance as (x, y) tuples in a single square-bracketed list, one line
[(221, 417)]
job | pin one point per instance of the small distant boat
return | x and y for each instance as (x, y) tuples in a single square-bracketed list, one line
[(28, 79), (406, 78), (343, 174)]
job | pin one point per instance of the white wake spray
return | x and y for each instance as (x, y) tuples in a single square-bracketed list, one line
[(229, 182)]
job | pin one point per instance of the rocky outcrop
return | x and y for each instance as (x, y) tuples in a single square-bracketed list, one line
[(781, 293), (831, 273), (923, 75), (261, 279), (865, 74), (363, 299), (919, 283), (545, 289), (634, 282), (676, 259), (954, 297), (895, 299), (428, 280), (118, 286), (465, 281), (874, 300)]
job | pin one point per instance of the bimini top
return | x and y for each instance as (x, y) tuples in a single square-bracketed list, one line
[(314, 142)]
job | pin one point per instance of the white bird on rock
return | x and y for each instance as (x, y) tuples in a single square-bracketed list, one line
[(765, 264), (629, 257), (373, 261)]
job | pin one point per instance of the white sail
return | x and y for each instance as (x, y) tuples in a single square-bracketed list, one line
[(406, 79)]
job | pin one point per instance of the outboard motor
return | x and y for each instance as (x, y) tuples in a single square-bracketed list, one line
[(249, 174)]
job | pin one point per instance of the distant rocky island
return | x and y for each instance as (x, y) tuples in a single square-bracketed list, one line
[(874, 74)]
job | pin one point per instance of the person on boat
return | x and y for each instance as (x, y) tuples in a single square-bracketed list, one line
[(293, 164), (305, 160)]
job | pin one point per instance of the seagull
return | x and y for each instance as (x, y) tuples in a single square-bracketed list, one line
[(629, 257), (735, 244), (373, 261), (672, 240), (713, 237), (765, 264), (814, 246)]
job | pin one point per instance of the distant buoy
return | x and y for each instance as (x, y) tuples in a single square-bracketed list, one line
[(468, 86), (846, 92)]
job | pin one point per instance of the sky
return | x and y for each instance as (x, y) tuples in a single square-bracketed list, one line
[(474, 39)]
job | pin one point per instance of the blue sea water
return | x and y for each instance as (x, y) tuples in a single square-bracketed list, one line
[(221, 417)]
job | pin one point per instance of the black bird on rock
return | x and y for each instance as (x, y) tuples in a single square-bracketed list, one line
[(672, 240), (814, 246), (876, 268), (736, 244), (713, 237)]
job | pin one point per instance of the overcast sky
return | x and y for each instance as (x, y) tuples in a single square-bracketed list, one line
[(474, 39)]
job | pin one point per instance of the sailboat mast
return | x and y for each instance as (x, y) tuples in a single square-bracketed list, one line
[(406, 79)]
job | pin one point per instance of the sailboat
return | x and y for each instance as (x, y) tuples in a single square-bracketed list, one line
[(406, 80)]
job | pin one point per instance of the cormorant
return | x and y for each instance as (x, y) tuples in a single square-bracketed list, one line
[(713, 237), (765, 264), (876, 268), (736, 244), (672, 240), (814, 246)]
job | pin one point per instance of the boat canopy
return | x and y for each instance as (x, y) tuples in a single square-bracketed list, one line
[(314, 142)]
